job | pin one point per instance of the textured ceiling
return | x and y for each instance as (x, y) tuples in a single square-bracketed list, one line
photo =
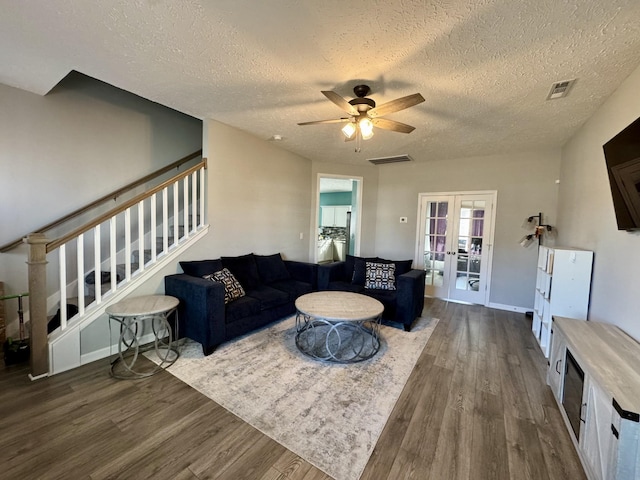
[(485, 67)]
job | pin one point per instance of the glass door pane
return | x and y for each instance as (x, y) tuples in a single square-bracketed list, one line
[(472, 217), (434, 245), (453, 247)]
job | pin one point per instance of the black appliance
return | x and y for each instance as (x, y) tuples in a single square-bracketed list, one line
[(572, 393), (622, 155)]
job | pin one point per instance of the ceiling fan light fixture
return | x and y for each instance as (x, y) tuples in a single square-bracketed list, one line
[(366, 128), (349, 130)]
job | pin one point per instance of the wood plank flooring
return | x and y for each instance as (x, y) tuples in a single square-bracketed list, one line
[(475, 407)]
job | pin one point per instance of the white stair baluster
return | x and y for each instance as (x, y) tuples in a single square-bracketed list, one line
[(194, 200), (185, 210), (201, 212), (152, 233), (176, 212), (97, 269), (127, 244), (80, 262), (141, 236), (62, 256), (112, 253), (165, 221)]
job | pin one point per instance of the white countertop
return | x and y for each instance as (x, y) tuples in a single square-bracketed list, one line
[(609, 354)]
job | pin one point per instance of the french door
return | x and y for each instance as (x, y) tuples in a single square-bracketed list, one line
[(455, 239)]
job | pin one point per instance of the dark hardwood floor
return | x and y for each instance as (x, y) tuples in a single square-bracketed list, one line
[(475, 407)]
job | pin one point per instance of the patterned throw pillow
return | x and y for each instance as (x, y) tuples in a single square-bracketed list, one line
[(380, 276), (232, 287)]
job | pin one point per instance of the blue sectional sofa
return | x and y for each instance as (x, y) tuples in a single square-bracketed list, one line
[(270, 286), (403, 300)]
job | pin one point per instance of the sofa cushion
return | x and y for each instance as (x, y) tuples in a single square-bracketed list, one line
[(380, 276), (232, 288), (271, 268), (388, 298), (341, 286), (244, 268), (402, 266), (268, 297), (293, 288), (200, 268), (359, 269), (349, 265), (241, 308)]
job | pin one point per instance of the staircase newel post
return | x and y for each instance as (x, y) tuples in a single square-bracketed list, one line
[(38, 304)]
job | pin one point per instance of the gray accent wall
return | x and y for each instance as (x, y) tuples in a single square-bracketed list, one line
[(586, 217), (258, 197), (526, 185)]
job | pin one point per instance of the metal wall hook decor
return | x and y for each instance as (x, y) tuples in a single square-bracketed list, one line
[(535, 223)]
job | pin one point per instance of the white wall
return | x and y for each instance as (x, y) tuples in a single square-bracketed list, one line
[(369, 175), (525, 183), (586, 217), (258, 197)]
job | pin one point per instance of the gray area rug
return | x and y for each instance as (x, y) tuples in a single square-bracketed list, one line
[(330, 415)]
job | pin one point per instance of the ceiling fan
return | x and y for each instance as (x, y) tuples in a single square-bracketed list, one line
[(364, 115)]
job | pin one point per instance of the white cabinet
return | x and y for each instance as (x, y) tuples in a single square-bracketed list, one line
[(325, 250), (596, 438), (563, 283), (556, 363), (609, 407), (334, 216)]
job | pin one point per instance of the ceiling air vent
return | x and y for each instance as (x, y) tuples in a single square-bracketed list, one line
[(560, 89), (396, 159)]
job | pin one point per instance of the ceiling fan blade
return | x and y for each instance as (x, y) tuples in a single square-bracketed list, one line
[(319, 122), (396, 105), (387, 124), (340, 102)]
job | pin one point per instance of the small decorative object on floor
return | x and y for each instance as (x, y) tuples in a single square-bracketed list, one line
[(16, 351), (130, 314)]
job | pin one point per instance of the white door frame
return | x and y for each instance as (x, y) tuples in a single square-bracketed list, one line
[(491, 236), (358, 210)]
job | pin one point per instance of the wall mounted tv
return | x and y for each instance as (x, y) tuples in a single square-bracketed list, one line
[(622, 154)]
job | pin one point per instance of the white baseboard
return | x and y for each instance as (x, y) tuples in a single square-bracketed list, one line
[(510, 308), (108, 351)]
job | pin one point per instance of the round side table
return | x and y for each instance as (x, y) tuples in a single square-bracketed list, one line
[(130, 314)]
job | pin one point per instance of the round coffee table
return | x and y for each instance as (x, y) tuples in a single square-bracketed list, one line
[(130, 313), (338, 327)]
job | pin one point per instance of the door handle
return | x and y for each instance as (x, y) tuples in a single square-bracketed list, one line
[(581, 410), (557, 366)]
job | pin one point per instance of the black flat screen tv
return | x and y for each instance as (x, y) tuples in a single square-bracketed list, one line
[(622, 154)]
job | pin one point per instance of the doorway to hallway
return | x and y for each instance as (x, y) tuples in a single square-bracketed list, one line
[(338, 214)]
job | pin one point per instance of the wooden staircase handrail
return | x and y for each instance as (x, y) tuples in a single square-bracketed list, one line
[(51, 246), (113, 195)]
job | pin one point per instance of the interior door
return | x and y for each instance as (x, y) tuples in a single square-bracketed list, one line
[(454, 245)]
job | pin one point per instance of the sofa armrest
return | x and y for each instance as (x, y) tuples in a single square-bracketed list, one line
[(410, 299), (303, 272), (330, 272), (201, 313)]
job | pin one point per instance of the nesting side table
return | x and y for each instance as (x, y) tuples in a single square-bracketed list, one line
[(130, 314)]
